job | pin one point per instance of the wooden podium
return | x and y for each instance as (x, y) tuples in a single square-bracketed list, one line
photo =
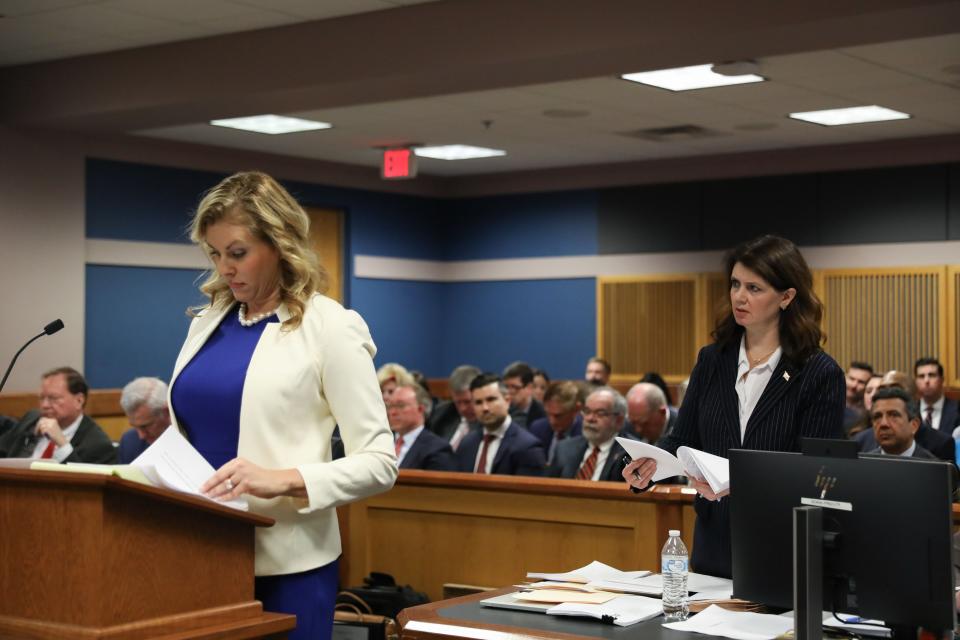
[(91, 556)]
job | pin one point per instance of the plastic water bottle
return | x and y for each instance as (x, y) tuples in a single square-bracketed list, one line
[(673, 568)]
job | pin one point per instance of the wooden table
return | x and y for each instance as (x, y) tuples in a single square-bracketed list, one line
[(465, 618)]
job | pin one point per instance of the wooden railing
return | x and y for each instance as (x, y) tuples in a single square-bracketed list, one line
[(436, 528)]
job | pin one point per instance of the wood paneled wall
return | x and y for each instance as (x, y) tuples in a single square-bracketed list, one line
[(888, 317)]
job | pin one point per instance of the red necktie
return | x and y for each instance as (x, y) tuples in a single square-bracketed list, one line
[(482, 465), (48, 452), (586, 469), (399, 445)]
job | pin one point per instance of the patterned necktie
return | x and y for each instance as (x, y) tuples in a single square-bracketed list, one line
[(586, 469), (930, 416), (482, 464), (399, 445)]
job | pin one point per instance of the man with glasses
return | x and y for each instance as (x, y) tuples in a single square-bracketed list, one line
[(416, 447), (59, 432), (144, 401), (594, 455), (524, 408)]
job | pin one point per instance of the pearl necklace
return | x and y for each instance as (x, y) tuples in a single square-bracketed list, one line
[(242, 315)]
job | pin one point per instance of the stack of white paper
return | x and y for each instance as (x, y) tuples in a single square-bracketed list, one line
[(173, 463), (623, 610), (739, 625), (592, 572), (652, 584), (689, 462)]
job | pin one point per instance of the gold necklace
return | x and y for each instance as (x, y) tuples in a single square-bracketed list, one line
[(757, 361)]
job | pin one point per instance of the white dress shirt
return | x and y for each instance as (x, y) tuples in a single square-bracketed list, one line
[(937, 412), (601, 457), (905, 454), (408, 439), (60, 453), (494, 445), (752, 382), (462, 430)]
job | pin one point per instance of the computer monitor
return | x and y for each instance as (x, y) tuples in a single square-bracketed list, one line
[(891, 557)]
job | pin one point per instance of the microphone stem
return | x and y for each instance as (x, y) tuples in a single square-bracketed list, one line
[(17, 355)]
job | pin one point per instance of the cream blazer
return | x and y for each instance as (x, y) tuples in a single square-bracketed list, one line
[(299, 385)]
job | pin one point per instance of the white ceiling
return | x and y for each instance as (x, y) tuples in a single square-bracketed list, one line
[(39, 30), (919, 76), (914, 76)]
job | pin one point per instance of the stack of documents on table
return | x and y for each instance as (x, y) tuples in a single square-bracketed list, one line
[(573, 593), (689, 462), (739, 625), (170, 462), (591, 573), (652, 585)]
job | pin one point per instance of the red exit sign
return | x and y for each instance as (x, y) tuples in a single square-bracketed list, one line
[(399, 164)]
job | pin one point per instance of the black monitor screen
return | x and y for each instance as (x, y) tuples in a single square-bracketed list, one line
[(892, 556)]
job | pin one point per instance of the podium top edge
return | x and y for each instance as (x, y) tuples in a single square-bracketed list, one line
[(97, 481)]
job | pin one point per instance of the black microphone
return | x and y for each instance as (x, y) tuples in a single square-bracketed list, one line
[(50, 329)]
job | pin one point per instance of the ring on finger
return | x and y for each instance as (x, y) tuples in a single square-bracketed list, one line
[(229, 484)]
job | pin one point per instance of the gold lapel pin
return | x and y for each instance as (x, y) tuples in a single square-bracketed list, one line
[(786, 376)]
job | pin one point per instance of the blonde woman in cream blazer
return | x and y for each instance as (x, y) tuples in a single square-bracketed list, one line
[(266, 373)]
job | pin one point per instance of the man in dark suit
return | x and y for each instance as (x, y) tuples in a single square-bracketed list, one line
[(144, 401), (937, 442), (562, 404), (524, 408), (598, 371), (649, 416), (453, 419), (595, 454), (896, 420), (856, 379), (59, 431), (501, 447), (936, 410), (416, 447)]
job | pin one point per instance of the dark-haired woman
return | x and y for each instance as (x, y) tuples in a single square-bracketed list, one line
[(763, 384)]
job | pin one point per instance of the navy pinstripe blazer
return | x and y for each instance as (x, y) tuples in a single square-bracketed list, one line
[(806, 402)]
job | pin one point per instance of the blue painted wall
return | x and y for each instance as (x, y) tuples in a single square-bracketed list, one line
[(432, 327), (135, 321)]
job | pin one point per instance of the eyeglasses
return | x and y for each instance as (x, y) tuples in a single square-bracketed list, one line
[(514, 387), (601, 414)]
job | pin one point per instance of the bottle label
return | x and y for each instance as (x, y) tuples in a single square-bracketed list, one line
[(673, 565)]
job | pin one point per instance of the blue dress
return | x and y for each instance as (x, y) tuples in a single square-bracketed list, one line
[(206, 399)]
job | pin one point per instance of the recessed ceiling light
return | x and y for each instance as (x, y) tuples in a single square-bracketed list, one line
[(850, 115), (457, 152), (686, 78), (272, 124)]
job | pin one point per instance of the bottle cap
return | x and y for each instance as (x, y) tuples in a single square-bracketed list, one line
[(674, 532)]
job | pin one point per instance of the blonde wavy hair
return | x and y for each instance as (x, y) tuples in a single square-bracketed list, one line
[(258, 202)]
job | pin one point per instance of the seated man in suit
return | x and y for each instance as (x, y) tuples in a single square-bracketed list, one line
[(649, 416), (501, 446), (59, 431), (857, 377), (417, 448), (940, 444), (937, 411), (144, 401), (453, 419), (598, 371), (562, 404), (896, 420), (524, 408), (594, 455)]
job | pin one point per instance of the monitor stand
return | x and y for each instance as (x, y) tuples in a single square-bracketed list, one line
[(808, 573)]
